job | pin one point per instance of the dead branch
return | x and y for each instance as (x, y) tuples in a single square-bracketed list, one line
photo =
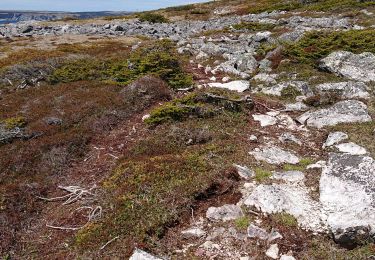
[(75, 193), (109, 242)]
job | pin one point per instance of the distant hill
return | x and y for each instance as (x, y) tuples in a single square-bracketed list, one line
[(19, 16)]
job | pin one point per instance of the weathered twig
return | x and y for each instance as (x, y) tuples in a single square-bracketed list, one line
[(109, 242), (75, 193), (64, 228)]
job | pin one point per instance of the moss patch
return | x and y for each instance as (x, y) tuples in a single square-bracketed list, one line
[(14, 122), (285, 219), (262, 174)]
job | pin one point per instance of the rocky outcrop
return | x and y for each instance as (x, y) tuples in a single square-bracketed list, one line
[(360, 67), (347, 193), (349, 111), (348, 90)]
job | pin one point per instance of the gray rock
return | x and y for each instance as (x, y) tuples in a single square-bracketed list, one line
[(276, 90), (360, 67), (26, 29), (273, 251), (193, 233), (274, 155), (351, 148), (142, 255), (289, 198), (298, 106), (347, 192), (244, 171), (345, 89), (289, 176), (257, 232), (335, 138), (238, 85), (265, 120), (349, 111), (53, 121), (224, 213), (8, 135), (288, 137)]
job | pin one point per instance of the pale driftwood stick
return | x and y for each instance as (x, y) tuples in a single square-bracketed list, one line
[(64, 228), (110, 241)]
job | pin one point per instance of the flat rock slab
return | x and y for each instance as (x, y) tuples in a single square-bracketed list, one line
[(224, 213), (142, 255), (265, 120), (238, 85), (360, 67), (349, 111), (351, 148), (289, 198), (274, 155), (348, 90), (335, 138), (289, 176), (347, 192)]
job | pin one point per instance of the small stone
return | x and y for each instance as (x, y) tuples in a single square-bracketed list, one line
[(225, 79), (317, 165), (224, 213), (213, 78), (334, 138), (273, 251), (289, 176), (253, 138), (244, 171), (193, 232), (287, 257), (146, 117), (257, 232), (142, 255), (274, 155), (351, 148), (288, 137), (238, 85), (265, 120)]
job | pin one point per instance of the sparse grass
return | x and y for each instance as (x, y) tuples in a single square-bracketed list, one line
[(242, 223), (304, 162), (262, 174), (316, 45), (360, 133), (285, 219)]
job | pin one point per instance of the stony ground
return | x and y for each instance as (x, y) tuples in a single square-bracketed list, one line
[(248, 134)]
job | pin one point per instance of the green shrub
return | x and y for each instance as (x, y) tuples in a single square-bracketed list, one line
[(168, 112), (159, 58), (152, 18), (316, 45), (242, 223)]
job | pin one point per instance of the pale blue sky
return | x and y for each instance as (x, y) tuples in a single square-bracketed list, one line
[(91, 5)]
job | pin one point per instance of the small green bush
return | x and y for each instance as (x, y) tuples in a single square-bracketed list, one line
[(316, 45), (242, 223), (152, 18), (167, 112), (159, 59)]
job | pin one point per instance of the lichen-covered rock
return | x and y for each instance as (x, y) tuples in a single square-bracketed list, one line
[(335, 138), (349, 111), (274, 155), (289, 198), (345, 89), (224, 213), (347, 193), (360, 67), (351, 148)]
